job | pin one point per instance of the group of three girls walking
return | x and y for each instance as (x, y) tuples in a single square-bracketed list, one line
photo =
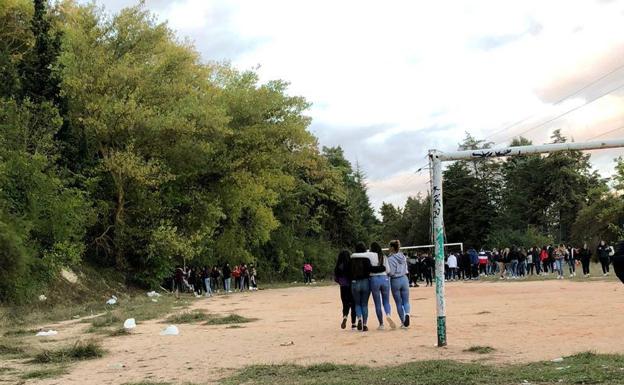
[(370, 272)]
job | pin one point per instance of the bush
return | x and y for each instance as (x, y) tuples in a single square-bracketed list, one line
[(81, 350), (13, 263)]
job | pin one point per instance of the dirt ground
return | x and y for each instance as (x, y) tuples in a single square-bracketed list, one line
[(523, 321)]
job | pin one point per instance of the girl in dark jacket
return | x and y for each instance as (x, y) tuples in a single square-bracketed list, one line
[(342, 276), (585, 255), (603, 257)]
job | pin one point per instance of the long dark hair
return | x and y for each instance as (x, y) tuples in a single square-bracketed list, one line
[(342, 263), (375, 248)]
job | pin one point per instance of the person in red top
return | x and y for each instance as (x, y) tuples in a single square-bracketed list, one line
[(236, 273), (307, 273), (544, 259)]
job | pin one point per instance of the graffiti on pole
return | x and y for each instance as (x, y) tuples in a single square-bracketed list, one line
[(437, 201), (491, 154)]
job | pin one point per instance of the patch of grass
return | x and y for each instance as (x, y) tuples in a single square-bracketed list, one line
[(118, 332), (584, 368), (480, 349), (20, 332), (6, 369), (229, 319), (81, 350), (147, 383), (187, 317), (105, 320), (44, 373), (7, 348)]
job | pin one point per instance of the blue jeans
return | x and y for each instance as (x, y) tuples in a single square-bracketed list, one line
[(400, 293), (572, 265), (361, 291), (559, 266), (207, 284), (514, 267), (226, 284), (380, 288)]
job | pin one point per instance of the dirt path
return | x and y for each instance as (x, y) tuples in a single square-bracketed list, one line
[(523, 321)]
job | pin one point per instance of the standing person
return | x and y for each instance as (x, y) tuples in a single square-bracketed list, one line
[(474, 263), (559, 256), (244, 276), (544, 259), (535, 252), (214, 278), (429, 264), (236, 276), (380, 286), (307, 273), (502, 262), (514, 256), (397, 263), (522, 256), (252, 278), (529, 260), (483, 261), (361, 268), (227, 278), (342, 277), (206, 278), (603, 256), (452, 264), (178, 281), (585, 255), (571, 259)]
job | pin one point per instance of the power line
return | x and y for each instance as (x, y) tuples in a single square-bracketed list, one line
[(606, 133), (569, 111), (578, 91)]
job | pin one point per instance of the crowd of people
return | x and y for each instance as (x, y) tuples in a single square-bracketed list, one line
[(519, 262), (367, 273), (213, 280)]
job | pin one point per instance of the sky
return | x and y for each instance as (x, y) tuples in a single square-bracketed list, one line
[(389, 80)]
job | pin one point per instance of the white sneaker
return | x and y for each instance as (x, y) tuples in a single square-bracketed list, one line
[(571, 275), (381, 327)]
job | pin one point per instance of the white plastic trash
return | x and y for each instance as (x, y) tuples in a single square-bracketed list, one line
[(47, 334), (559, 359), (153, 294), (129, 324), (154, 300), (42, 298), (171, 330), (111, 301)]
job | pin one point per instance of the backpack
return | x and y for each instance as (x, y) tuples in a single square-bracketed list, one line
[(307, 268)]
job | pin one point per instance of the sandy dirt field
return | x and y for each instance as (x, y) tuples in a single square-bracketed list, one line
[(523, 321)]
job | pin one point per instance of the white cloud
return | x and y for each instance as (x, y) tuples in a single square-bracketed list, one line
[(417, 75)]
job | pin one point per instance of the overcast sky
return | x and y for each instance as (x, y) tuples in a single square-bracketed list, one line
[(389, 80)]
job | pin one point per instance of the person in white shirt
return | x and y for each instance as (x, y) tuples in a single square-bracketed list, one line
[(452, 264), (380, 286)]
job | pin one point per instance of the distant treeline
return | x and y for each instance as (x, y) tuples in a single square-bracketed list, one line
[(118, 146), (121, 148)]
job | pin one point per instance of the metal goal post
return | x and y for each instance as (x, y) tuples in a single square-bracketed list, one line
[(435, 162)]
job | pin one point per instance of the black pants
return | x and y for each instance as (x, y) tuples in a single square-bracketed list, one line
[(347, 302), (605, 265), (585, 263), (428, 278)]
